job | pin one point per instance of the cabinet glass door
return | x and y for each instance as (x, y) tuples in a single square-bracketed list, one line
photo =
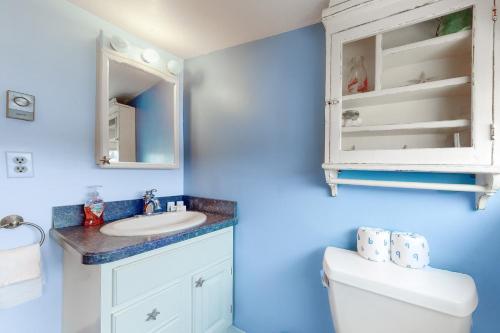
[(415, 88)]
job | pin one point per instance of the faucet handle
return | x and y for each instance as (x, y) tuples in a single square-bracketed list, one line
[(150, 193)]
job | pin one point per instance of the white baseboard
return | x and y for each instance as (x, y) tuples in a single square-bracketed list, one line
[(234, 329)]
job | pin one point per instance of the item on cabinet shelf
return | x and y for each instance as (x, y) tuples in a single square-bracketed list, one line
[(405, 146), (455, 22), (351, 118), (421, 79), (358, 76), (20, 106), (409, 250), (456, 140), (374, 244), (94, 208)]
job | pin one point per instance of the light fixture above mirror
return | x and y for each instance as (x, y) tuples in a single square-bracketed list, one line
[(137, 107)]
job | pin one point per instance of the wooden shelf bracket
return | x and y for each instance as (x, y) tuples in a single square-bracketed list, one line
[(492, 184)]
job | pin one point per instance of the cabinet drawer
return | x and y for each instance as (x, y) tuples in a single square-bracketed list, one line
[(136, 279), (164, 312)]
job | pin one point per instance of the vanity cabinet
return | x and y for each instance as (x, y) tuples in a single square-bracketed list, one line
[(183, 288), (427, 104)]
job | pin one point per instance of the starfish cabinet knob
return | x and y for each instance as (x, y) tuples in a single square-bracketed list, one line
[(153, 315)]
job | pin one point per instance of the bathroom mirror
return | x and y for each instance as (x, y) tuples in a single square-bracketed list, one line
[(137, 114)]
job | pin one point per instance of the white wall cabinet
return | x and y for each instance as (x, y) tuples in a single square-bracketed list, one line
[(183, 288), (428, 105), (121, 132)]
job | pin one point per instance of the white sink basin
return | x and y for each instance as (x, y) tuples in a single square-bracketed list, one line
[(154, 224)]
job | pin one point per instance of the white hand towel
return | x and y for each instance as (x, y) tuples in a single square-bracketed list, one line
[(19, 264), (18, 293)]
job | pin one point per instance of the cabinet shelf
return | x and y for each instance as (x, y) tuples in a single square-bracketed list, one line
[(413, 127), (448, 46), (427, 90)]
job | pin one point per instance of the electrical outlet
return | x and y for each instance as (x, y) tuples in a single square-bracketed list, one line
[(19, 165), (20, 160)]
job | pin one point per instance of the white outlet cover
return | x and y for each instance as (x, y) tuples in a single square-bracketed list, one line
[(19, 165)]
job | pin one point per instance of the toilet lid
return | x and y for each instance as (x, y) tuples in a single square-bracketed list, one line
[(448, 292)]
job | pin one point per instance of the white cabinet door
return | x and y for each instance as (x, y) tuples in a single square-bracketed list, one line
[(213, 299), (419, 109)]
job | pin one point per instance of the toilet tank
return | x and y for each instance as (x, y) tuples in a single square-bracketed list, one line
[(367, 296)]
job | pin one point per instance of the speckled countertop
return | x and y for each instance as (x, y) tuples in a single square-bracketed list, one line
[(97, 248)]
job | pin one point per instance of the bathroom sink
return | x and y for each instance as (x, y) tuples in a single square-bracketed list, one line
[(154, 224)]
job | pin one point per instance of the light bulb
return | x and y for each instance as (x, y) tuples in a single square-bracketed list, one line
[(174, 67), (119, 44), (150, 56)]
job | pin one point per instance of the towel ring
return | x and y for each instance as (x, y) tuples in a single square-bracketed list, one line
[(14, 221)]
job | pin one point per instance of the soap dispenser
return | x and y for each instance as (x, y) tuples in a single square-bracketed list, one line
[(94, 208)]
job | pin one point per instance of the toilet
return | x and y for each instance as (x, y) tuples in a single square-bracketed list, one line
[(367, 296)]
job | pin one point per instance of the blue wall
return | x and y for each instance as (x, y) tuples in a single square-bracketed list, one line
[(49, 50), (154, 124), (254, 126)]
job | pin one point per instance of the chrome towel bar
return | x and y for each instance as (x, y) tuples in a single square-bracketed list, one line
[(14, 221)]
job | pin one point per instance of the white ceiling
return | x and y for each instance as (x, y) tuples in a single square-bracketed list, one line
[(189, 28)]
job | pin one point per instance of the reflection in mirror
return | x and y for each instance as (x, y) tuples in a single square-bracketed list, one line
[(141, 116)]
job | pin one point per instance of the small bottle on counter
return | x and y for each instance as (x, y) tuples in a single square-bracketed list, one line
[(94, 208)]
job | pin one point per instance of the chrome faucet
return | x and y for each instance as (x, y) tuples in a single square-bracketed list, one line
[(151, 204)]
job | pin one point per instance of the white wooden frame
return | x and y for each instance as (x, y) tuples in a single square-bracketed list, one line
[(480, 153), (104, 56), (373, 18)]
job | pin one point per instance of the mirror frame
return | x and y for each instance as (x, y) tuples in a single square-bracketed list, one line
[(104, 56)]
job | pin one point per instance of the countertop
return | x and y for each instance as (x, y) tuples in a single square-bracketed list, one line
[(97, 248)]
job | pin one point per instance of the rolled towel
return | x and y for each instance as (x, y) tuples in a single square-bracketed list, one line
[(409, 250), (374, 244), (19, 264)]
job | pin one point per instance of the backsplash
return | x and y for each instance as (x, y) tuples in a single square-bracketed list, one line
[(69, 216)]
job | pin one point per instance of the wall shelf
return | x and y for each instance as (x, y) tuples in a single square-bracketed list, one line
[(429, 103), (428, 90), (448, 46)]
